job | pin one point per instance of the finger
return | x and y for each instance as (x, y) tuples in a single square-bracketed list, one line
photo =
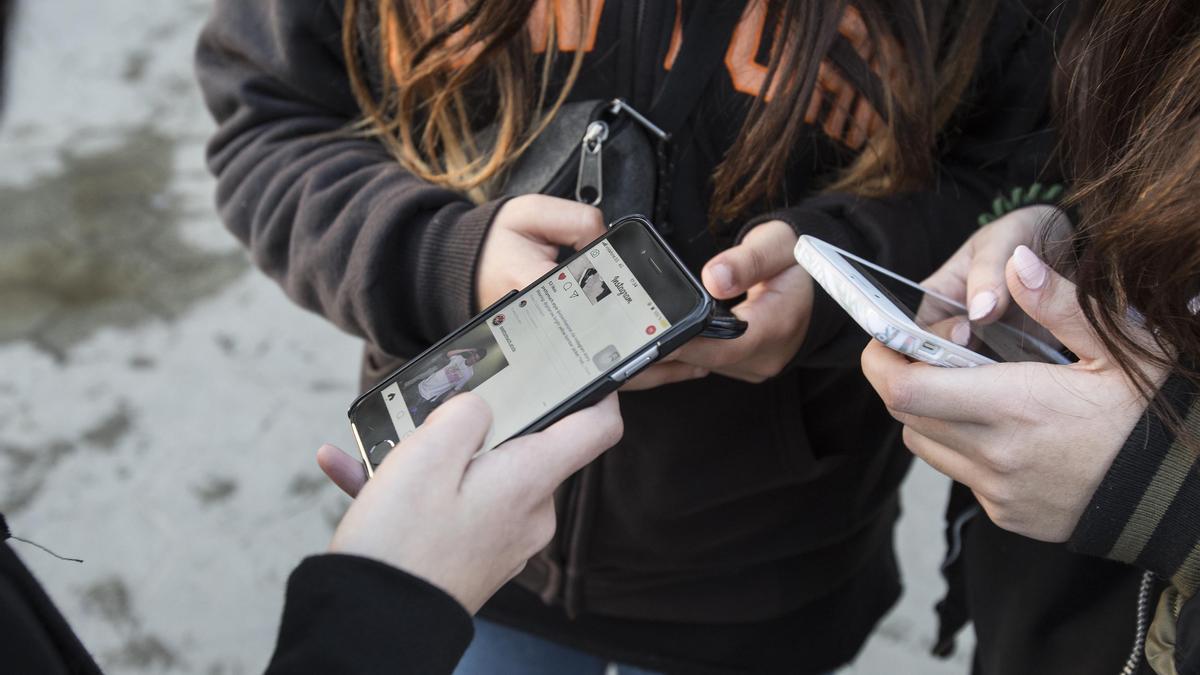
[(987, 290), (346, 472), (776, 314), (949, 394), (560, 221), (549, 457), (955, 329), (949, 280), (449, 437), (765, 252), (986, 287), (943, 459), (1051, 301), (664, 373)]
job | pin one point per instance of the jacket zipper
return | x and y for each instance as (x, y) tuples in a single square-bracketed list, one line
[(1143, 622), (589, 185), (589, 179), (590, 168)]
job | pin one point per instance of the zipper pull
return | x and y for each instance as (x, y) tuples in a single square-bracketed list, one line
[(618, 106), (589, 186)]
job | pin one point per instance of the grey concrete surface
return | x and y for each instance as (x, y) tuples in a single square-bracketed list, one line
[(160, 401)]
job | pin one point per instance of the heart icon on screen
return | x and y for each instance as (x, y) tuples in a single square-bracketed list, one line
[(562, 275)]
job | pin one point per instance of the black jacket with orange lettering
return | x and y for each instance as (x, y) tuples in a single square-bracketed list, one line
[(737, 526)]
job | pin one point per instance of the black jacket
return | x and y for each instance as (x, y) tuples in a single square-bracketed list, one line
[(731, 513), (335, 604), (1146, 513)]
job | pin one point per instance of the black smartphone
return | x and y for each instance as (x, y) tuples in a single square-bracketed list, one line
[(561, 344)]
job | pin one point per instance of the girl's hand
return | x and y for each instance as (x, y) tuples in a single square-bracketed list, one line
[(1032, 440), (523, 242), (974, 275), (778, 305), (465, 526)]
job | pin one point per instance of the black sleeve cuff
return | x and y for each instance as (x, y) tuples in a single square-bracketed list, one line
[(347, 614), (447, 261), (1146, 508)]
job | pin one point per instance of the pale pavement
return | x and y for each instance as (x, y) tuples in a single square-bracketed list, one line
[(160, 401)]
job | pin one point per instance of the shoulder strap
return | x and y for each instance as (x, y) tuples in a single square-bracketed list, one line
[(702, 50)]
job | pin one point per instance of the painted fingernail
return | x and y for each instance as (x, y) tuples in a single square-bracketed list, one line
[(722, 276), (982, 305), (1030, 268), (961, 334)]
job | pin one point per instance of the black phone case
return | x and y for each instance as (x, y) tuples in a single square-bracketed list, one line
[(691, 326), (723, 325)]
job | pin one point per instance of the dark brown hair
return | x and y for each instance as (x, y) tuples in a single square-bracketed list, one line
[(1129, 102), (432, 52)]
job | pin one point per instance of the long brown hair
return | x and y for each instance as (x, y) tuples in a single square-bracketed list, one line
[(428, 54), (1129, 100)]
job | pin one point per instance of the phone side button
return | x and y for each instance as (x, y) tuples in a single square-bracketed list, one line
[(957, 361), (641, 361)]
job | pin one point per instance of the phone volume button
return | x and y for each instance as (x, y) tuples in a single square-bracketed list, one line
[(632, 368), (957, 361)]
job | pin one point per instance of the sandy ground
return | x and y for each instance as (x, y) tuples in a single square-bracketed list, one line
[(160, 402)]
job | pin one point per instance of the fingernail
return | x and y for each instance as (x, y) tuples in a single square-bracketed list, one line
[(981, 305), (722, 276), (699, 373), (961, 334), (1030, 268)]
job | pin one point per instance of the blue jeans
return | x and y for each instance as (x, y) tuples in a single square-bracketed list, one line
[(498, 650)]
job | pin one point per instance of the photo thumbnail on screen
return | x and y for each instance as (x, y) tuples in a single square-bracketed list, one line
[(463, 365), (589, 280)]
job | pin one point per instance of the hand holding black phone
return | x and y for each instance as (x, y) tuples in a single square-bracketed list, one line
[(558, 345)]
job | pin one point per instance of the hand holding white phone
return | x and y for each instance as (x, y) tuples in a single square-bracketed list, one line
[(918, 327)]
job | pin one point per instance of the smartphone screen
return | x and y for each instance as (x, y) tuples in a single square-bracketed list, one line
[(1014, 337), (532, 354)]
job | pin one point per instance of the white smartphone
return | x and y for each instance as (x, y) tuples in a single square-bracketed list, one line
[(916, 321)]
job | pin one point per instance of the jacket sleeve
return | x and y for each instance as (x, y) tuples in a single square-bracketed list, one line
[(998, 139), (1146, 512), (346, 614), (330, 215)]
